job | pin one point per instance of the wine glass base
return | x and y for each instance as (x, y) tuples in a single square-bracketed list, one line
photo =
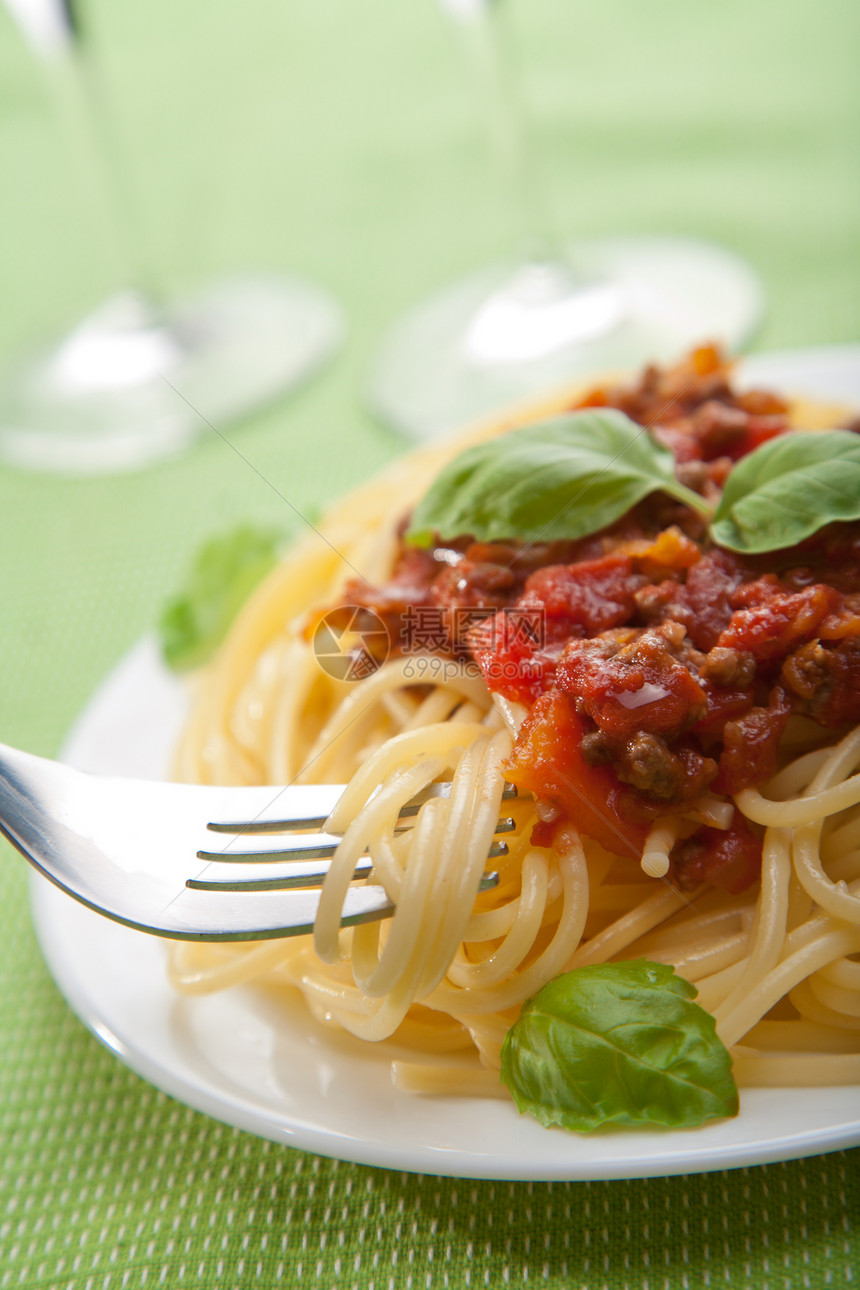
[(129, 387), (508, 334)]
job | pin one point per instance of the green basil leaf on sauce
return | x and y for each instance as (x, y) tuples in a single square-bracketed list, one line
[(558, 479), (618, 1044), (789, 488), (225, 572)]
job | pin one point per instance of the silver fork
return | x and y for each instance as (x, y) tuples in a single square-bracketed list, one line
[(183, 860)]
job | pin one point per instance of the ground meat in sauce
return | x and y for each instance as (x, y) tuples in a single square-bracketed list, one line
[(672, 665)]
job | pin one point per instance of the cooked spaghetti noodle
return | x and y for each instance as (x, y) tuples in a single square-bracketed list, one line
[(774, 962)]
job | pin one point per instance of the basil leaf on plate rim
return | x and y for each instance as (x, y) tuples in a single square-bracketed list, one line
[(573, 475), (618, 1044)]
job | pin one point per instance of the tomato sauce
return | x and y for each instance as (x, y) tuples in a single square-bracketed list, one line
[(653, 665)]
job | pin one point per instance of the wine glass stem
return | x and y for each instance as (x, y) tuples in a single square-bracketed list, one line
[(501, 89), (85, 109)]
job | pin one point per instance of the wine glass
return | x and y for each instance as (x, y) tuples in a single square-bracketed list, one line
[(514, 330), (142, 376)]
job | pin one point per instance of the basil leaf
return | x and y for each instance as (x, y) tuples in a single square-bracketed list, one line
[(618, 1043), (789, 488), (224, 573), (563, 478)]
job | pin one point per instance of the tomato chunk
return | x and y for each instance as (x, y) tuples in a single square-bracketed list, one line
[(640, 687), (593, 594), (547, 762), (727, 858), (771, 621)]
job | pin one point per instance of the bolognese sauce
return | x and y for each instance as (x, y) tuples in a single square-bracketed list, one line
[(653, 666)]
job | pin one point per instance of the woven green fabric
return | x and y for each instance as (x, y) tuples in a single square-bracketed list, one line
[(343, 141)]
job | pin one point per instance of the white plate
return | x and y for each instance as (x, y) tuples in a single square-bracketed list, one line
[(263, 1065)]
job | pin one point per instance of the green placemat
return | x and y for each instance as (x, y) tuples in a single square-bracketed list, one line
[(343, 142)]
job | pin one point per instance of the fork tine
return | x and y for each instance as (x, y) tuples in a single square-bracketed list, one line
[(291, 882), (264, 877), (296, 847), (246, 876), (264, 915), (315, 846), (321, 800)]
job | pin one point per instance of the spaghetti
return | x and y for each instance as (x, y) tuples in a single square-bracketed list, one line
[(772, 953)]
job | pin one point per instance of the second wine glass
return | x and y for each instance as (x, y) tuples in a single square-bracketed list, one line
[(515, 330)]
